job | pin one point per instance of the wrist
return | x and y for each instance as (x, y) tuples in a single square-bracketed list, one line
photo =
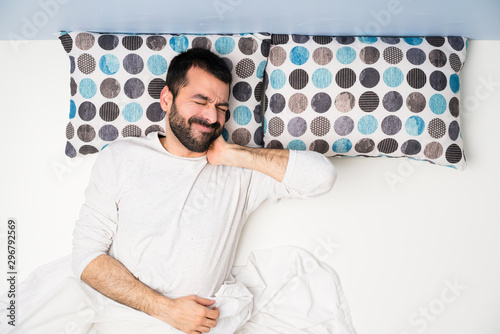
[(159, 306)]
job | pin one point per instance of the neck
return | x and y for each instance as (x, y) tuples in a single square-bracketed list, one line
[(175, 147)]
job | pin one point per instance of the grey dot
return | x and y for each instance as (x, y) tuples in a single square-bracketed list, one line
[(277, 103), (86, 133), (438, 80), (433, 150), (110, 88), (84, 41), (153, 128), (275, 144), (228, 63), (155, 113), (87, 149), (320, 146), (364, 146), (156, 43), (71, 64), (277, 55), (108, 132), (416, 56), (133, 63), (390, 40), (411, 147), (391, 125), (437, 58), (454, 130), (297, 126), (321, 102), (257, 114), (242, 91), (343, 125), (87, 111), (133, 88), (322, 56), (454, 106), (415, 102), (369, 77), (241, 136), (73, 86), (392, 101), (258, 137), (298, 103), (300, 39), (70, 150), (369, 55), (202, 42), (248, 45), (344, 102), (108, 42)]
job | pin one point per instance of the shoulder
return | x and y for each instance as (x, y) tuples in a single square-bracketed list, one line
[(132, 145)]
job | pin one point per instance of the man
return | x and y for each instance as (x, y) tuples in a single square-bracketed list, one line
[(159, 228)]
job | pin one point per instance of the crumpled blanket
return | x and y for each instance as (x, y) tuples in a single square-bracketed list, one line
[(279, 290)]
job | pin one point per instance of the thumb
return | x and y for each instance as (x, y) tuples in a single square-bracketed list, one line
[(204, 301)]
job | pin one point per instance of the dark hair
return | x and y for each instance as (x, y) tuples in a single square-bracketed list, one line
[(195, 57)]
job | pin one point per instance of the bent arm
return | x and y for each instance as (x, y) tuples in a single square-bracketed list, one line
[(304, 173), (272, 162), (111, 278)]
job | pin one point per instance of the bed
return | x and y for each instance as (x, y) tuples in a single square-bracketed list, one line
[(414, 244)]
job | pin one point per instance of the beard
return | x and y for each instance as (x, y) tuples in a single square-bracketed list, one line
[(193, 140)]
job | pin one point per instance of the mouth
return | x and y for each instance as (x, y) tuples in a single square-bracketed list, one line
[(204, 128)]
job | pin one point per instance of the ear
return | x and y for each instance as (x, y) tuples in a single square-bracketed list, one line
[(166, 99)]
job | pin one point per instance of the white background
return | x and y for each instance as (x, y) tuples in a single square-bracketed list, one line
[(397, 245)]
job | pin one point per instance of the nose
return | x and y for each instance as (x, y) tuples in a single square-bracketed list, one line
[(209, 113)]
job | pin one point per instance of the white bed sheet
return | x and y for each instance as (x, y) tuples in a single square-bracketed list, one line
[(280, 290), (418, 255)]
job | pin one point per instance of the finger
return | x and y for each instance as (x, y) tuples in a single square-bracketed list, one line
[(204, 301), (213, 313), (210, 323), (204, 329)]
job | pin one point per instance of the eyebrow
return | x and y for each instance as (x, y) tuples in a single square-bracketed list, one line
[(205, 98)]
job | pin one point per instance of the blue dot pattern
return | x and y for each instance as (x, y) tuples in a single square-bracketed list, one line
[(157, 65), (438, 104), (109, 64), (119, 79), (242, 115), (366, 96), (132, 112)]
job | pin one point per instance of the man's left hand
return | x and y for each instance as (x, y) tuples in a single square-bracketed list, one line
[(215, 154)]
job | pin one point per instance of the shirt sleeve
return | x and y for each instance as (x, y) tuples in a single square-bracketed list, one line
[(308, 174), (96, 226)]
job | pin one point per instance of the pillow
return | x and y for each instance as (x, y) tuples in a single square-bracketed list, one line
[(116, 80), (366, 96)]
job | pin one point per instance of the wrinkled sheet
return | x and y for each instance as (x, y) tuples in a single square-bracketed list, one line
[(279, 290)]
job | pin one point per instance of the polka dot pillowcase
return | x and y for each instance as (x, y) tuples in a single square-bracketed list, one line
[(366, 96), (116, 80)]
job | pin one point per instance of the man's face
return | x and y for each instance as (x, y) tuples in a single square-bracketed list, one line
[(198, 113)]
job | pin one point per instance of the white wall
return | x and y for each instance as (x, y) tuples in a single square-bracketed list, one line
[(396, 248)]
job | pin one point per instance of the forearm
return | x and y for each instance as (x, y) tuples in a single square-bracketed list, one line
[(272, 162), (111, 278)]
